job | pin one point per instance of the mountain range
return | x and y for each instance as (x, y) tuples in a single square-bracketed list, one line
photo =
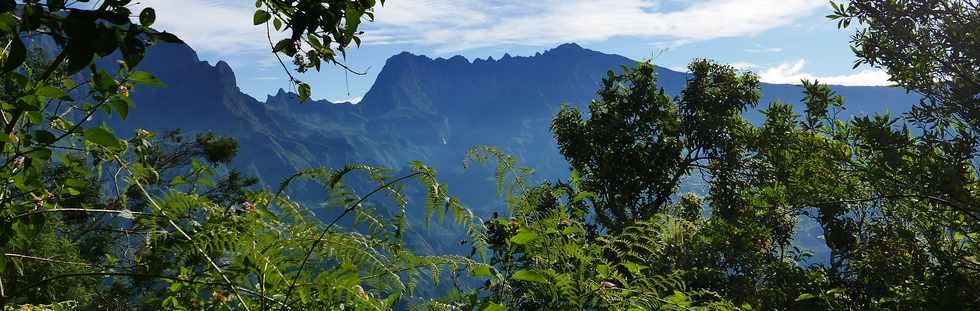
[(419, 108)]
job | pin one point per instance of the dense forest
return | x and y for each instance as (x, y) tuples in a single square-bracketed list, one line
[(95, 219)]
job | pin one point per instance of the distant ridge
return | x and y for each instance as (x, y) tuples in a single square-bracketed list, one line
[(419, 108)]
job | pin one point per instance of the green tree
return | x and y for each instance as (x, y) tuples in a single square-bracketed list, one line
[(638, 144), (930, 47), (853, 178), (548, 256)]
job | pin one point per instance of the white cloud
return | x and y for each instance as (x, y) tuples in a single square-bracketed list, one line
[(792, 73), (217, 26), (764, 50), (668, 45), (743, 65), (224, 26), (453, 25)]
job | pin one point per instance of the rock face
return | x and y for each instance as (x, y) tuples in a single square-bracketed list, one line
[(419, 108)]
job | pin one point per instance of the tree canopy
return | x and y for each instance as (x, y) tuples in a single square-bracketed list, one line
[(93, 221)]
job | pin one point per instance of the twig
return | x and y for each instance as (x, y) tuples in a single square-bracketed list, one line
[(47, 259), (268, 35), (58, 210)]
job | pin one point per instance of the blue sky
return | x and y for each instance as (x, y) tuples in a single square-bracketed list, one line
[(781, 40)]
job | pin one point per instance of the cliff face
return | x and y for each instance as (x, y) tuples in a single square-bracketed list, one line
[(419, 108)]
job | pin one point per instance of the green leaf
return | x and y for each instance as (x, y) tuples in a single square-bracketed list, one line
[(679, 298), (76, 183), (103, 81), (481, 270), (261, 16), (8, 23), (304, 92), (353, 19), (41, 154), (52, 92), (179, 180), (205, 182), (284, 46), (16, 54), (523, 237), (277, 23), (43, 137), (30, 103), (80, 55), (529, 276), (145, 78), (102, 137), (122, 105), (494, 307), (147, 17), (393, 299), (803, 297)]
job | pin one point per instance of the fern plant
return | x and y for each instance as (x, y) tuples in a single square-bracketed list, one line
[(548, 253)]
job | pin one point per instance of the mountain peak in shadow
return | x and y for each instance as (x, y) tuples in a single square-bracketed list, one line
[(569, 48), (409, 82)]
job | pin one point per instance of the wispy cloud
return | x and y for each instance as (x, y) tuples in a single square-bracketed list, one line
[(764, 50), (453, 25), (220, 26), (792, 73), (224, 26), (743, 65), (671, 44)]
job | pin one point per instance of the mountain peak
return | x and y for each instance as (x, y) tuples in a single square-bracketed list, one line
[(225, 74), (569, 46), (570, 49), (566, 50), (408, 81), (406, 56)]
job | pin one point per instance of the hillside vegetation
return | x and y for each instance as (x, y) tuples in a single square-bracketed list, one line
[(99, 213)]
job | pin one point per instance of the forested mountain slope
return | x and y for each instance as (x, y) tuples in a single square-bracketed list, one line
[(418, 109)]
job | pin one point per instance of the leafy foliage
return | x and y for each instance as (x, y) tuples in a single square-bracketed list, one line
[(89, 220), (634, 127), (317, 29), (547, 255)]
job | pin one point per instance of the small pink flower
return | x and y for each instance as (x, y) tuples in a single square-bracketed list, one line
[(608, 285), (19, 161), (248, 206)]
